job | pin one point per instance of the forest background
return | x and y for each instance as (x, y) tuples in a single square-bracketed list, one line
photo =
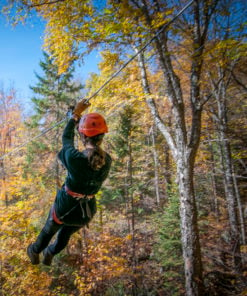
[(172, 215)]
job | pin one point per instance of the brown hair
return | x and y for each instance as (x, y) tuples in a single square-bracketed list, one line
[(96, 156)]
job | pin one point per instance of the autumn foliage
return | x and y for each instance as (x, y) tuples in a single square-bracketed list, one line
[(177, 111)]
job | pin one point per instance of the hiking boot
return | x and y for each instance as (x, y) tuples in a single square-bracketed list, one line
[(48, 256), (34, 257)]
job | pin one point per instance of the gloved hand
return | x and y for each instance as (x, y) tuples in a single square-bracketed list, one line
[(79, 108)]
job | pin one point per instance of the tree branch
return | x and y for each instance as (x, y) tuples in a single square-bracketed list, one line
[(45, 3), (238, 81), (158, 121)]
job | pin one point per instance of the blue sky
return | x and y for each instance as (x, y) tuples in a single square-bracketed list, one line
[(20, 54)]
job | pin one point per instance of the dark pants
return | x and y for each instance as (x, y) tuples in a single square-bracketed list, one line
[(49, 230)]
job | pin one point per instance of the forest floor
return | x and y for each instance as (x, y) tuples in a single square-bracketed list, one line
[(110, 261)]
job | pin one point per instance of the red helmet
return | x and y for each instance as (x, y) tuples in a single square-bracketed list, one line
[(92, 124)]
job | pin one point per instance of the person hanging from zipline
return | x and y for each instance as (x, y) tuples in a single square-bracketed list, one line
[(75, 203)]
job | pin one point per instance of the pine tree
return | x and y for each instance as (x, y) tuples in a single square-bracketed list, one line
[(54, 91), (169, 246), (53, 94), (121, 172)]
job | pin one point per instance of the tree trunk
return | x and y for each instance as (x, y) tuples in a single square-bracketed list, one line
[(240, 210), (220, 94), (215, 206), (3, 192), (156, 169), (189, 228), (168, 166), (130, 185), (100, 218), (57, 140), (126, 196), (230, 199), (6, 145)]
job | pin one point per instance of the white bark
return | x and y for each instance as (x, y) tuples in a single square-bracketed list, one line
[(185, 158), (156, 167)]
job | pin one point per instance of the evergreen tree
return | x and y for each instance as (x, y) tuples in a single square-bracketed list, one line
[(127, 148), (121, 171), (53, 94), (169, 246)]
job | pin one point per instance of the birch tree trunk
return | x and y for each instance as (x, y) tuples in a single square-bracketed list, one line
[(240, 210), (220, 94), (215, 206), (189, 228), (156, 169)]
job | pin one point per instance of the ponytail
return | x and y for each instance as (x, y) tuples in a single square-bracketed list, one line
[(96, 156)]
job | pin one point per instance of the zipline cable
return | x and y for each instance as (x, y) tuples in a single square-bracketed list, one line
[(108, 80), (34, 138)]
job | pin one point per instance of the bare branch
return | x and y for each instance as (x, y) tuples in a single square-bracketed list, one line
[(45, 3), (238, 81)]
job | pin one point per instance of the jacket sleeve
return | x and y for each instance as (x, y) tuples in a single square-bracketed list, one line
[(68, 151), (69, 134)]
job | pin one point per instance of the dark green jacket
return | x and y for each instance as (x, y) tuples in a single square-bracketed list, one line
[(81, 178)]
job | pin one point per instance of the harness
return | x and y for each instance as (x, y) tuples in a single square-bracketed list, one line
[(77, 195), (82, 198)]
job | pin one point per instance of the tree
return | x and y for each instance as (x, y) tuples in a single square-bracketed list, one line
[(10, 135), (228, 49), (54, 93), (169, 247), (183, 141)]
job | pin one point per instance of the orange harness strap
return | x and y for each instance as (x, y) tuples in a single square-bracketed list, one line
[(54, 216), (77, 195)]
